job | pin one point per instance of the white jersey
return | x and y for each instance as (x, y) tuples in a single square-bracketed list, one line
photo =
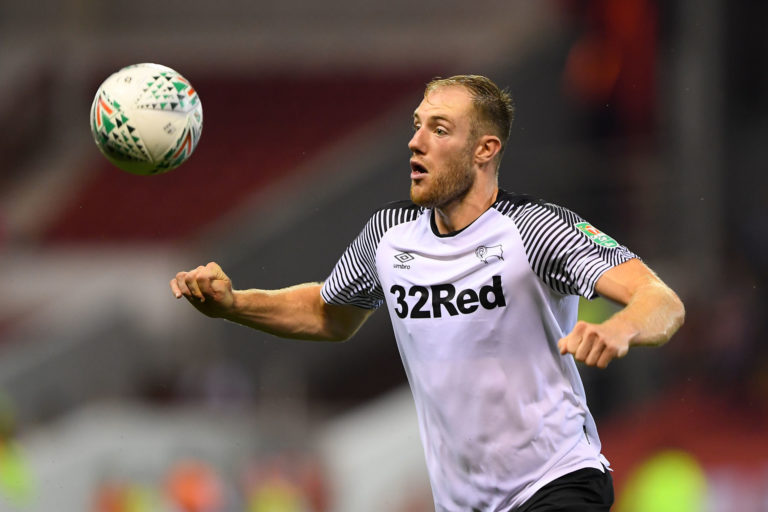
[(477, 315)]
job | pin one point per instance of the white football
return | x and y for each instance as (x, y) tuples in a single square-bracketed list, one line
[(146, 119)]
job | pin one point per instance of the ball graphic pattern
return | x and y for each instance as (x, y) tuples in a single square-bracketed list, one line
[(146, 119)]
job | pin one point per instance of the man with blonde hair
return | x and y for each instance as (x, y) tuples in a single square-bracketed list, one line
[(482, 287)]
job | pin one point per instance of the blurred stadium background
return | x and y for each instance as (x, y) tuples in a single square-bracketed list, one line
[(649, 118)]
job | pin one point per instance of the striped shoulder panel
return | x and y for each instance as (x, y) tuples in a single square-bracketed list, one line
[(355, 280), (561, 255), (388, 216), (507, 203)]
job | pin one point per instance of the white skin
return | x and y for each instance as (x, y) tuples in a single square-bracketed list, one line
[(455, 172), (452, 170)]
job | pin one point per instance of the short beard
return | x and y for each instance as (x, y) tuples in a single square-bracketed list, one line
[(452, 184)]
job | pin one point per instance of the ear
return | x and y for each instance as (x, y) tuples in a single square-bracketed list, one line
[(488, 146)]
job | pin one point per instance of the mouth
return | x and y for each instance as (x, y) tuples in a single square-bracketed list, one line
[(417, 170)]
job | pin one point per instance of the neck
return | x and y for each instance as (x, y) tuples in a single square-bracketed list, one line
[(462, 212)]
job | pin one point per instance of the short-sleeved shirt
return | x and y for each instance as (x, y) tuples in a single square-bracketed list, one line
[(477, 315)]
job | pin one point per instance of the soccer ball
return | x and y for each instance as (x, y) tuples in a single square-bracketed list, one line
[(146, 119)]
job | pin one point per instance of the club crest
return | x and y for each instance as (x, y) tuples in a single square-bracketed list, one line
[(486, 253)]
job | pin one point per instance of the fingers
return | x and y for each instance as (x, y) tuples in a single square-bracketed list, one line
[(215, 271), (571, 342), (605, 358), (193, 280), (197, 283), (175, 288), (611, 353), (179, 285), (591, 345), (597, 354), (585, 347)]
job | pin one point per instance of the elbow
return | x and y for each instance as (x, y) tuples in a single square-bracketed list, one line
[(669, 317), (681, 317), (338, 335), (322, 333), (338, 338), (677, 316), (680, 309), (333, 333), (341, 323)]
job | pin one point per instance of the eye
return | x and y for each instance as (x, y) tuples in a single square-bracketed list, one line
[(415, 127), (441, 131)]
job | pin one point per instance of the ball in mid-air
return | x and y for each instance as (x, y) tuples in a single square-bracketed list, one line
[(146, 119)]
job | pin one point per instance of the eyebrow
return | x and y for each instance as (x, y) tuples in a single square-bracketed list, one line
[(434, 118)]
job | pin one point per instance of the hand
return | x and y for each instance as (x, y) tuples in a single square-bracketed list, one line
[(207, 288), (597, 344)]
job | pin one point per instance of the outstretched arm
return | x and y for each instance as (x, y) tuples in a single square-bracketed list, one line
[(296, 312), (652, 313)]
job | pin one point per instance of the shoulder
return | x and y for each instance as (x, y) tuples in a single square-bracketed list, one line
[(507, 201), (526, 208), (405, 205), (511, 203), (383, 219), (394, 213)]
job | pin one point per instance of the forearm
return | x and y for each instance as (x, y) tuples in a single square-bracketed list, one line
[(652, 313), (292, 312), (298, 312), (652, 316)]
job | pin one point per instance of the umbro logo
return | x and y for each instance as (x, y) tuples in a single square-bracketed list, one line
[(403, 258), (487, 253)]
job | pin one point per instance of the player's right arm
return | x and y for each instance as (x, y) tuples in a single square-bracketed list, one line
[(296, 312)]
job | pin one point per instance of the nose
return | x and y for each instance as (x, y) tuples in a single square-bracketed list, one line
[(416, 144)]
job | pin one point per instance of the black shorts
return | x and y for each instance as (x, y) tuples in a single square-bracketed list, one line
[(585, 490)]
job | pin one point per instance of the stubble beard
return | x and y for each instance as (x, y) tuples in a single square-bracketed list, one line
[(452, 184)]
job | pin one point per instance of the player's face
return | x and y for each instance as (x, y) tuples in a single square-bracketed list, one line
[(442, 148)]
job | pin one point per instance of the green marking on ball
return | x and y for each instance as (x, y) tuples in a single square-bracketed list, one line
[(107, 123)]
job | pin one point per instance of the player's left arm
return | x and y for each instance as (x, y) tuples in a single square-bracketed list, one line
[(652, 313)]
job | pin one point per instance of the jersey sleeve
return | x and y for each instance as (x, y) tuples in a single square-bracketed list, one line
[(566, 252), (355, 280)]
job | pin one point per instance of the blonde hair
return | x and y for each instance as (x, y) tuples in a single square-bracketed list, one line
[(494, 108)]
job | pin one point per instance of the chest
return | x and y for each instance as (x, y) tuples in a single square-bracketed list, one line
[(483, 268)]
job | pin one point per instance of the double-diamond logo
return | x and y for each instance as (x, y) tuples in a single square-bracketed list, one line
[(403, 258)]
